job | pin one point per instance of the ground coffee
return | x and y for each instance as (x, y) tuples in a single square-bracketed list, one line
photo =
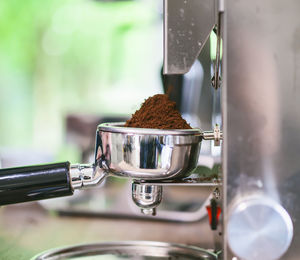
[(158, 112)]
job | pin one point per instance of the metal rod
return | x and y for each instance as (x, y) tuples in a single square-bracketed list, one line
[(216, 183), (216, 79)]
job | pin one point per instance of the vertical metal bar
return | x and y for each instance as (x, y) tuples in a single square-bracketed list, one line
[(216, 78)]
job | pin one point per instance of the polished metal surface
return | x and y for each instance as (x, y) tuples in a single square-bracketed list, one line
[(190, 94), (187, 182), (128, 250), (143, 155), (216, 135), (86, 175), (187, 25), (147, 154), (216, 80), (261, 106), (119, 128), (147, 197), (259, 228)]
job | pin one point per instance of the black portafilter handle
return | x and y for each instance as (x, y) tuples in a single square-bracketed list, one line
[(35, 182)]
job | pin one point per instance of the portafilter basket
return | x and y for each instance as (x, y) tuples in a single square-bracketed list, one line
[(147, 154), (137, 153)]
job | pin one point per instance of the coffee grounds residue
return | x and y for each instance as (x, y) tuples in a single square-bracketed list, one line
[(158, 112)]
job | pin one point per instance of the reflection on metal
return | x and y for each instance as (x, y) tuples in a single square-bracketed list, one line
[(86, 175), (190, 94), (186, 182), (216, 80), (215, 135), (148, 154), (261, 94), (265, 223), (129, 250), (147, 197), (187, 25)]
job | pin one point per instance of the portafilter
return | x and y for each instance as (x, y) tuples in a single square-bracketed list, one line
[(137, 153)]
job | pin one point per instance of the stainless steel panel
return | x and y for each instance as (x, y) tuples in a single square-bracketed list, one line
[(187, 25), (261, 102)]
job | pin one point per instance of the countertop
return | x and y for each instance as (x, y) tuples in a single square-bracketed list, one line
[(27, 229)]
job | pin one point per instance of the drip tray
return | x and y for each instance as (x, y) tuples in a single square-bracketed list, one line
[(135, 250)]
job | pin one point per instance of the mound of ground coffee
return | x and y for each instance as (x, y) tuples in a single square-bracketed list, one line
[(158, 112)]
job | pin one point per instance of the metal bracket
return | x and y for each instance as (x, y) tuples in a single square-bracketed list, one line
[(187, 26), (216, 135)]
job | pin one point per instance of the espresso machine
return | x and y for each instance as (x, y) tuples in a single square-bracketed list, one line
[(255, 74), (259, 71)]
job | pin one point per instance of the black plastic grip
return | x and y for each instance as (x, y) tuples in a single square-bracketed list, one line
[(35, 182)]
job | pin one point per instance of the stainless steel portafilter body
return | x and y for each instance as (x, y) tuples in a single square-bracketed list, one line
[(141, 154), (147, 154), (136, 153)]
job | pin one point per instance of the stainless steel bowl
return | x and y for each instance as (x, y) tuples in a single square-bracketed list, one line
[(147, 154), (137, 250)]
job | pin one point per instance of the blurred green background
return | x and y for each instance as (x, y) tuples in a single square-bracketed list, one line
[(61, 57)]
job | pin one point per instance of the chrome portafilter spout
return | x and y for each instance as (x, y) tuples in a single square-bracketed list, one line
[(147, 197)]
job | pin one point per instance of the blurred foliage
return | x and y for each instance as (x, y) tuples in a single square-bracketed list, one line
[(73, 56), (19, 27)]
